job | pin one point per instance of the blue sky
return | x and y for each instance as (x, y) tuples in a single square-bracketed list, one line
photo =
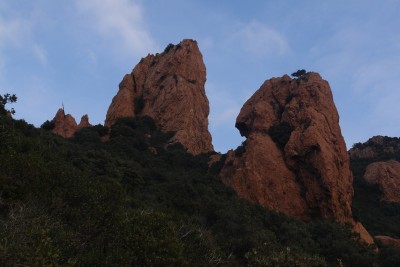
[(76, 52)]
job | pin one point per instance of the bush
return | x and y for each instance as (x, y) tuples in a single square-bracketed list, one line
[(168, 48), (275, 256), (299, 73), (48, 125)]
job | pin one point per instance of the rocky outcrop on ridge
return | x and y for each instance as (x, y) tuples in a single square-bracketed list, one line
[(294, 159), (168, 87), (386, 174), (66, 126), (84, 123)]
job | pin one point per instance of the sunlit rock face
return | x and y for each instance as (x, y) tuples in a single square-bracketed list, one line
[(168, 87), (66, 126), (294, 159)]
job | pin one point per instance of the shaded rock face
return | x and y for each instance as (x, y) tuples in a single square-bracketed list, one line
[(169, 87), (387, 176), (294, 159), (66, 126)]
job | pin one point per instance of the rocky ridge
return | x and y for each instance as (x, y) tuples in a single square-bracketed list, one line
[(66, 126), (168, 87), (294, 159)]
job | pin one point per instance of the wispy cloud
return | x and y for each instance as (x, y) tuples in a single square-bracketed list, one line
[(120, 21), (40, 53), (13, 33), (260, 39)]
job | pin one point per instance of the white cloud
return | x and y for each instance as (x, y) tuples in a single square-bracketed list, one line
[(40, 53), (119, 20), (260, 39)]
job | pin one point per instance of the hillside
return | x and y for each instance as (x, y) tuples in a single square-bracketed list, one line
[(147, 189), (133, 201)]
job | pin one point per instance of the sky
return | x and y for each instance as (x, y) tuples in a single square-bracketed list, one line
[(75, 53)]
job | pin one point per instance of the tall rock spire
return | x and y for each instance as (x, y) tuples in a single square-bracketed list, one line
[(294, 159), (168, 87)]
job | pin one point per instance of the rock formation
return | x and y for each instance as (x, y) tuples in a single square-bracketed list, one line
[(65, 125), (84, 123), (169, 87), (386, 174), (294, 159), (364, 235)]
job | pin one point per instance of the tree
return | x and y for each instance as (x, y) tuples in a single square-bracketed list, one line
[(5, 99), (299, 73)]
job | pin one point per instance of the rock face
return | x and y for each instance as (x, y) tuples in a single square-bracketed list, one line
[(169, 87), (65, 125), (364, 235), (84, 122), (294, 159), (387, 176)]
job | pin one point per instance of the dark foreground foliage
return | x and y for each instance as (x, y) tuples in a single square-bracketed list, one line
[(136, 200)]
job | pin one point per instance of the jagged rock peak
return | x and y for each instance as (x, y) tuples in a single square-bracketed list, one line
[(64, 124), (294, 159), (84, 123), (168, 87)]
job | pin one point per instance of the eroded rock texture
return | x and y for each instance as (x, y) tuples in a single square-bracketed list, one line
[(169, 87), (294, 159)]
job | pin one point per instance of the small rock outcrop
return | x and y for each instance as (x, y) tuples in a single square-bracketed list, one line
[(84, 123), (364, 235), (66, 126), (386, 174), (294, 159), (168, 87)]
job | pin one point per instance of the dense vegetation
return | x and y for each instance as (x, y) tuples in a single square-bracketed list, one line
[(136, 200)]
